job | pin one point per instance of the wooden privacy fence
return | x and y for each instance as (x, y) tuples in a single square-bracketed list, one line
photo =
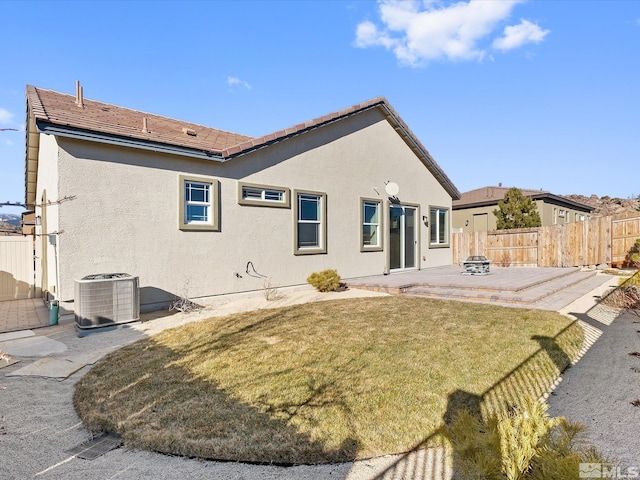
[(16, 268), (591, 242), (624, 233)]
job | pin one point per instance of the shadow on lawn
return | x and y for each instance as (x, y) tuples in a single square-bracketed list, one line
[(534, 377), (225, 425), (221, 425)]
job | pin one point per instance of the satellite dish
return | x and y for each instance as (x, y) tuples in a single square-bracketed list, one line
[(392, 189)]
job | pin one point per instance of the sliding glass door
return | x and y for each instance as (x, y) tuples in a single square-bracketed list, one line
[(403, 237)]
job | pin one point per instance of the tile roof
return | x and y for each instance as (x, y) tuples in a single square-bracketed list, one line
[(489, 194), (62, 110), (492, 195)]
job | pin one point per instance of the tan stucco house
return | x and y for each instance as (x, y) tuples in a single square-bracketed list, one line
[(196, 211), (473, 211)]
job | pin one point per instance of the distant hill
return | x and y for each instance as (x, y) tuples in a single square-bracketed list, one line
[(607, 206), (11, 218), (10, 223)]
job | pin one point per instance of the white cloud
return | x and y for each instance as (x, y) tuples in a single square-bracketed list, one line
[(367, 35), (233, 81), (518, 35), (5, 116), (418, 32)]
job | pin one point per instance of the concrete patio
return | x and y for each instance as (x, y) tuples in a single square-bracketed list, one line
[(542, 288)]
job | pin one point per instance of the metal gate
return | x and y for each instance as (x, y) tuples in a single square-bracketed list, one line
[(16, 268)]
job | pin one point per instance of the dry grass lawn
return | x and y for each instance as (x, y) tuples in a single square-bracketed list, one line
[(321, 382)]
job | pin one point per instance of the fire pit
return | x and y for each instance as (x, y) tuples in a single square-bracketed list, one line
[(476, 265)]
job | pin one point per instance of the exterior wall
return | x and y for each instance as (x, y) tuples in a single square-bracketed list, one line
[(463, 219), (548, 215), (47, 258), (125, 215)]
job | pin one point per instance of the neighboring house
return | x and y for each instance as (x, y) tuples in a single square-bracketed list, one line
[(28, 223), (473, 211), (195, 211)]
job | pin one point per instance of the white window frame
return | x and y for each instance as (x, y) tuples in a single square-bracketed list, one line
[(321, 246), (211, 204), (265, 195), (379, 225), (434, 212)]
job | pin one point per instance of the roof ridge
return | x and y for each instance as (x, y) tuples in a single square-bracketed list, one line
[(302, 126), (507, 188)]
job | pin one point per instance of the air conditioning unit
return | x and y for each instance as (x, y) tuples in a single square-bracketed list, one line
[(106, 299)]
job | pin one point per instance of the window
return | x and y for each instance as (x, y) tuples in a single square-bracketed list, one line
[(555, 216), (439, 227), (310, 226), (263, 195), (561, 213), (371, 225), (198, 203), (197, 198)]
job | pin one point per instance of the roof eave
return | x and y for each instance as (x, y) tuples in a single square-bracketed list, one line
[(32, 148), (80, 134), (564, 201)]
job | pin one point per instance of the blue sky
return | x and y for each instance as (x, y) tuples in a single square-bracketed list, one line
[(538, 94)]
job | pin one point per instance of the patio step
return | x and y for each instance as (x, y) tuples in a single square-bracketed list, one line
[(527, 295), (477, 285)]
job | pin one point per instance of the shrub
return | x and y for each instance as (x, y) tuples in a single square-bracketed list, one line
[(270, 291), (633, 257), (634, 281), (524, 443), (505, 260), (626, 296), (325, 281)]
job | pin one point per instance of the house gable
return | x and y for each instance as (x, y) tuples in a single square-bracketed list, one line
[(61, 114)]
